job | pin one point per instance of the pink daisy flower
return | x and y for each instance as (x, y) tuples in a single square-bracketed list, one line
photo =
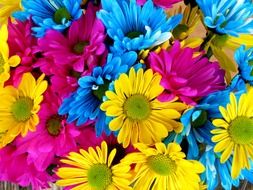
[(53, 136), (83, 47), (161, 3), (184, 76), (15, 168)]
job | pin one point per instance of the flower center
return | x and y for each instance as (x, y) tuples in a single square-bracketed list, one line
[(99, 176), (22, 109), (79, 47), (54, 125), (162, 164), (137, 107), (2, 62), (99, 91), (133, 34), (60, 14), (241, 130), (199, 118)]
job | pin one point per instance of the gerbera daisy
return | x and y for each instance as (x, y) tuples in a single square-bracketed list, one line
[(83, 105), (22, 43), (164, 167), (161, 3), (7, 7), (50, 14), (228, 17), (19, 107), (93, 169), (15, 168), (83, 46), (216, 172), (5, 60), (147, 28), (197, 121), (186, 76), (234, 132), (244, 59), (137, 114), (53, 135)]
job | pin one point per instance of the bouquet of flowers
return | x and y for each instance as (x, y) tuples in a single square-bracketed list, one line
[(126, 94)]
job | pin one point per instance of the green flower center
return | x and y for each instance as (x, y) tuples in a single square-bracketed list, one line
[(2, 62), (241, 130), (199, 118), (162, 164), (133, 34), (179, 31), (54, 125), (79, 47), (22, 109), (99, 176), (99, 91), (60, 14), (137, 107)]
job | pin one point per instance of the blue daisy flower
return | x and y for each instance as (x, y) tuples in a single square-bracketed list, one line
[(228, 17), (244, 59), (135, 27), (50, 14), (216, 172), (197, 120), (84, 104)]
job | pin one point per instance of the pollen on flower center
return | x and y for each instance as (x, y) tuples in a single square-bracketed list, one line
[(60, 14), (22, 108), (137, 107), (161, 164), (241, 130), (79, 47), (99, 176), (133, 34), (2, 62), (54, 125)]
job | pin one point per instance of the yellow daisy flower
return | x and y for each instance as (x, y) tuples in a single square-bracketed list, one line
[(19, 108), (164, 168), (138, 115), (93, 170), (5, 60), (7, 7), (234, 133)]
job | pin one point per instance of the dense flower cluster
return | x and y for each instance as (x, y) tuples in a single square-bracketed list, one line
[(120, 95)]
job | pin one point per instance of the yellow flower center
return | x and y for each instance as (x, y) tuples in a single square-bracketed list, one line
[(54, 125), (60, 14), (137, 107), (22, 108), (162, 164), (2, 62), (79, 47), (241, 130), (99, 176)]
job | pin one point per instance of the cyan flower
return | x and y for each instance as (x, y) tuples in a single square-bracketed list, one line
[(50, 14), (244, 59), (216, 172), (197, 120), (135, 27), (231, 17), (84, 104)]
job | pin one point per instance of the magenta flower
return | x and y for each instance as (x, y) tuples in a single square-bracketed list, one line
[(186, 76), (161, 3), (83, 46), (53, 135), (22, 43), (15, 168)]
